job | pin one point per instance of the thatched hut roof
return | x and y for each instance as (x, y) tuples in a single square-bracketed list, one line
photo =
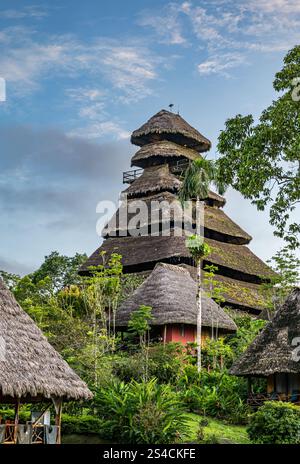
[(159, 152), (165, 125), (272, 350), (30, 367), (235, 261), (171, 292), (154, 179), (217, 224)]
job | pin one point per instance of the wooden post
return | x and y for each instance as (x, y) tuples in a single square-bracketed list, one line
[(16, 419), (249, 386), (58, 409), (165, 334)]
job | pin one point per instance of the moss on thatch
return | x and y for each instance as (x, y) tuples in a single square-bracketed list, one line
[(165, 125), (171, 292), (29, 366), (232, 260), (160, 152), (273, 351)]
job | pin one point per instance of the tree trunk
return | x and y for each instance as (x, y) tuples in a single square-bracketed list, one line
[(199, 315)]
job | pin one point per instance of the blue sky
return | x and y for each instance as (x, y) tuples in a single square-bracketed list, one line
[(81, 76)]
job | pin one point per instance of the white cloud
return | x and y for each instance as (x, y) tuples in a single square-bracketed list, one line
[(220, 64), (30, 11), (229, 27), (166, 25)]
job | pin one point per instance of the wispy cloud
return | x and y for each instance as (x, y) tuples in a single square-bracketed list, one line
[(221, 64), (226, 30), (118, 73), (165, 24), (29, 11)]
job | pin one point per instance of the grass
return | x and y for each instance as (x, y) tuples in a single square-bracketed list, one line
[(233, 433)]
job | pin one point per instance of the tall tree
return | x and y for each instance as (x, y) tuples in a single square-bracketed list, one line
[(262, 160), (198, 176)]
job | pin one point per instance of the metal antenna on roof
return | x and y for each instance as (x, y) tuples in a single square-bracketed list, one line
[(171, 106)]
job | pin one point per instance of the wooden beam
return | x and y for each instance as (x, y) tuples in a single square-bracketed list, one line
[(16, 419), (58, 410)]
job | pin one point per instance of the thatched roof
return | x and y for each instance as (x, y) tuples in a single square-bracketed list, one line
[(29, 366), (216, 199), (272, 350), (171, 292), (159, 152), (165, 125), (236, 261), (237, 293), (217, 224), (154, 179)]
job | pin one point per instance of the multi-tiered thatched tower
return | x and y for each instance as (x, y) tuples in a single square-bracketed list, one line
[(168, 143)]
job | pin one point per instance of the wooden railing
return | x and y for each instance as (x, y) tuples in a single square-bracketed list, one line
[(257, 400), (36, 432)]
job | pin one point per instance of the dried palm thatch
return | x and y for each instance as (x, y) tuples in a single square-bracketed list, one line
[(235, 261), (29, 366), (242, 295), (171, 292), (164, 208), (153, 180), (165, 125), (159, 152), (272, 350)]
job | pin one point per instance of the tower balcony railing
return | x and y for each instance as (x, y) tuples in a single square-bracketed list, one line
[(177, 168)]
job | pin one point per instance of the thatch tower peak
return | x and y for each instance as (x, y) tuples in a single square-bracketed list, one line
[(166, 125)]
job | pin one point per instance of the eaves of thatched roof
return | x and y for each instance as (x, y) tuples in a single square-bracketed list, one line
[(273, 350), (124, 222), (154, 179), (159, 152), (165, 125), (237, 293), (29, 366), (171, 292), (236, 261)]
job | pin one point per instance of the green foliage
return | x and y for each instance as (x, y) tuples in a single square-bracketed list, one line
[(215, 394), (287, 267), (139, 321), (141, 412), (197, 247), (275, 423), (198, 176), (165, 363), (83, 424), (262, 160), (216, 289), (248, 329)]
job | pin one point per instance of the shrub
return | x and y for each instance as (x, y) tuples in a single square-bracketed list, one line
[(275, 422), (83, 424), (164, 363), (141, 412), (216, 394)]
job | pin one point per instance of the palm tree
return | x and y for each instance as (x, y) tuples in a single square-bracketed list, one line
[(198, 177)]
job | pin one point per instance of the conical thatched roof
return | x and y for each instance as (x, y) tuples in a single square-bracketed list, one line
[(237, 261), (159, 152), (171, 292), (272, 350), (165, 125), (153, 180), (30, 368), (156, 211)]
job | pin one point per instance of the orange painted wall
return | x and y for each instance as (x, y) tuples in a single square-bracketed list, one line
[(183, 333)]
